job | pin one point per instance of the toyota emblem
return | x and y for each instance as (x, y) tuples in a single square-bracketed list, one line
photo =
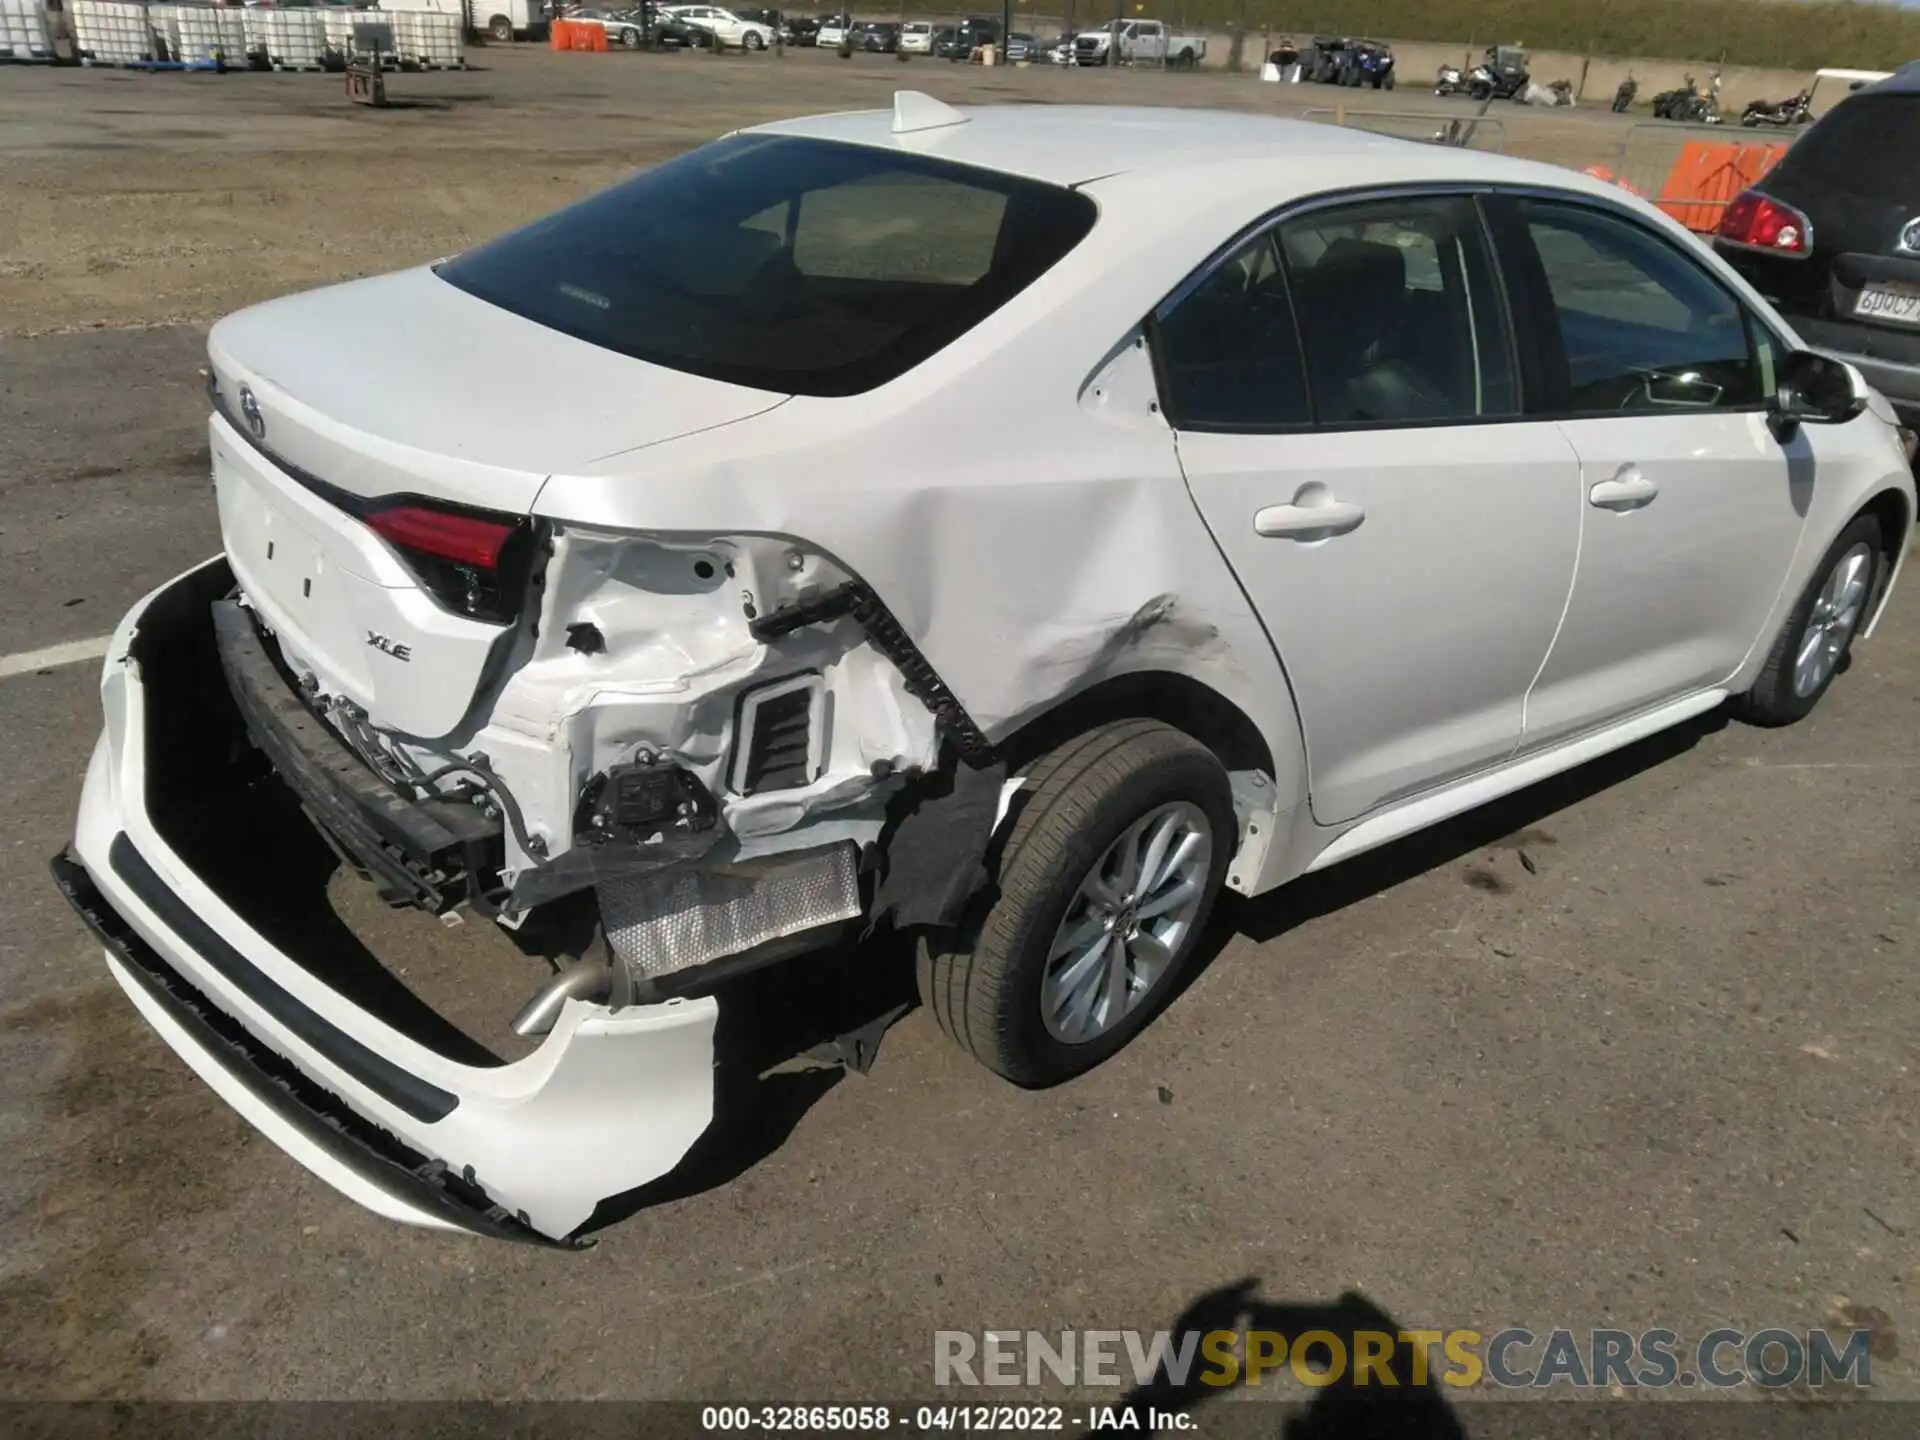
[(250, 412)]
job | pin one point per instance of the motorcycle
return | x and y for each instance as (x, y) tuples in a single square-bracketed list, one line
[(1450, 81), (1688, 105), (1623, 97), (1781, 116)]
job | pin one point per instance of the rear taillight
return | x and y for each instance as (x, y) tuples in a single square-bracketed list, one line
[(1759, 222), (474, 562)]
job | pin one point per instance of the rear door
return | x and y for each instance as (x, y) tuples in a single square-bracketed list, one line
[(1659, 377), (1407, 537)]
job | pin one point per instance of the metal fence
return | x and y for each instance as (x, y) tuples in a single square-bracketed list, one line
[(1725, 161), (1467, 131), (1693, 172)]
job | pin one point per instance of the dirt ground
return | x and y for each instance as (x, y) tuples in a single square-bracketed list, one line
[(1635, 1048), (137, 199)]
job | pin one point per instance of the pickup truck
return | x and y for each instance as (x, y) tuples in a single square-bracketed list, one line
[(1128, 42)]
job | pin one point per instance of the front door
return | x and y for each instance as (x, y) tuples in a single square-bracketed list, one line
[(1346, 401), (1659, 377)]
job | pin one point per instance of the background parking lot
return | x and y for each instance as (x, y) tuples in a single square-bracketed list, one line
[(1636, 1048)]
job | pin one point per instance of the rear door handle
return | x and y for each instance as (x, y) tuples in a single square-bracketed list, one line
[(1628, 490), (1303, 522)]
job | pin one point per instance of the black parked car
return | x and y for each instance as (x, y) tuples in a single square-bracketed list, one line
[(1831, 235), (669, 32), (882, 36), (799, 29), (968, 36)]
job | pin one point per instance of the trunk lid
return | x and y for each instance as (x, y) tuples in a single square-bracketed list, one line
[(403, 403)]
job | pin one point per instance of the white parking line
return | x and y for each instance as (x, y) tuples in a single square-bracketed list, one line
[(71, 653)]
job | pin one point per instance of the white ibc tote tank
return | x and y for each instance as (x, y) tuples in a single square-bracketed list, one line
[(293, 39), (23, 31), (111, 32)]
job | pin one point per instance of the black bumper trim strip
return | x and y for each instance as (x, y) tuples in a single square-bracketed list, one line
[(401, 1088), (377, 1157)]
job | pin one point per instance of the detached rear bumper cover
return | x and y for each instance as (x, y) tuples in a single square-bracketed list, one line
[(529, 1150)]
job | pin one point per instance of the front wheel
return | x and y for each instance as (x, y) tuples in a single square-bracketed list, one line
[(500, 30), (754, 42), (1480, 92), (1109, 874), (1814, 643), (631, 39)]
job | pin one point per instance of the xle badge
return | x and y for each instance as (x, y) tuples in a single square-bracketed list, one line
[(389, 646)]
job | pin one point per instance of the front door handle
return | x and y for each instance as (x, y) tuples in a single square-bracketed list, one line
[(1628, 490), (1308, 522)]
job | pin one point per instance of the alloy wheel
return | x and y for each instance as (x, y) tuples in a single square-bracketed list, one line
[(1127, 923), (1830, 623)]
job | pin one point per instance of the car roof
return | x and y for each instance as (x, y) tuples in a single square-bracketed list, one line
[(1904, 81), (1074, 144)]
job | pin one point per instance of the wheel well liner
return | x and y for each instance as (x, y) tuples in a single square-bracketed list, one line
[(1187, 704), (1890, 507)]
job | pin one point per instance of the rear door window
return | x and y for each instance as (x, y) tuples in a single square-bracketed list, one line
[(785, 264), (1385, 312), (1229, 353), (1401, 313)]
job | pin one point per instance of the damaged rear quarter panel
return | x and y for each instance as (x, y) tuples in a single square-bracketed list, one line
[(1031, 553)]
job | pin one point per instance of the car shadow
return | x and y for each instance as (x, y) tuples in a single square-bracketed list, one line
[(1343, 1406), (788, 1016), (1507, 823), (785, 1037), (260, 853)]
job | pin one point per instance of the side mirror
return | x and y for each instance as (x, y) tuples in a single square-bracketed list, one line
[(1815, 390)]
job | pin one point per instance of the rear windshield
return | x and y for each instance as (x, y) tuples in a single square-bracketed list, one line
[(801, 266), (1869, 145)]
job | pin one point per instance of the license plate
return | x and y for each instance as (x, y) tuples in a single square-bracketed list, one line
[(1884, 302)]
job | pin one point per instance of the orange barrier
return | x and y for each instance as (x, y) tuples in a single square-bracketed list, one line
[(1601, 172), (1708, 174), (576, 35)]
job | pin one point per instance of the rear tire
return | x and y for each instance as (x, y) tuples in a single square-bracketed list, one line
[(1814, 643), (1025, 971), (754, 42), (631, 39), (500, 30)]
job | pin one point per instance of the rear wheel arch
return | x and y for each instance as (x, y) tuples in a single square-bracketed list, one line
[(1188, 705)]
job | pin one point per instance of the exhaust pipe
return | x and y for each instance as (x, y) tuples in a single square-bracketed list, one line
[(584, 981)]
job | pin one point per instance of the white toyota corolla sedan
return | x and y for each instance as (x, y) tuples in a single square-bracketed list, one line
[(1012, 526)]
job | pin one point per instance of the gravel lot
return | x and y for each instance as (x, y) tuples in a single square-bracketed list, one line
[(1636, 1048)]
